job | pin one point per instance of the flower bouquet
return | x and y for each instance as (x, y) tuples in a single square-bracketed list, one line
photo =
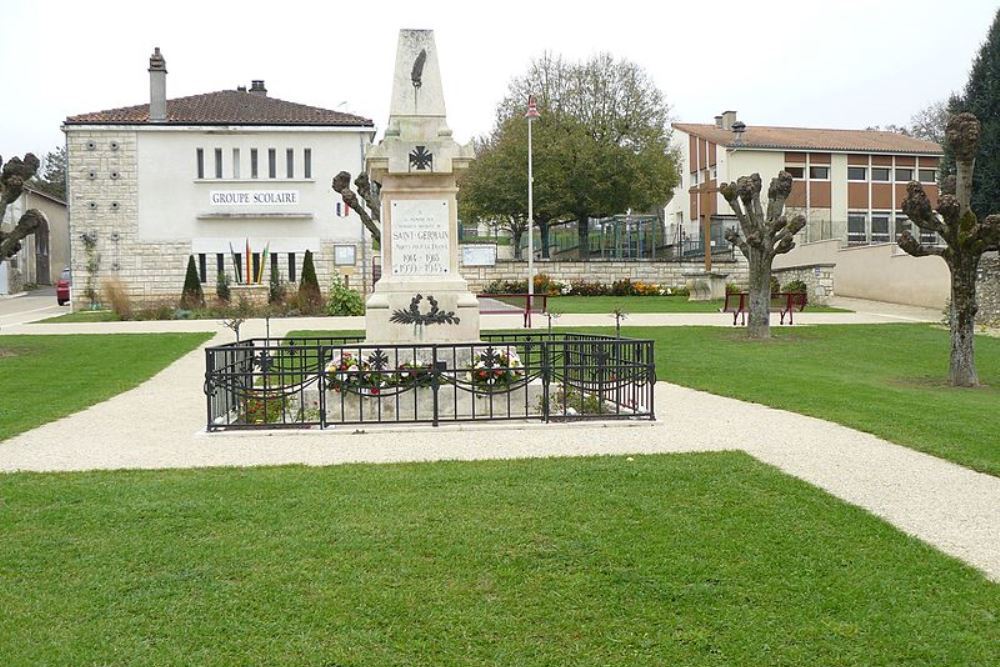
[(495, 370)]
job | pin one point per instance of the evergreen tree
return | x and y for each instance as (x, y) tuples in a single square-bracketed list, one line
[(981, 97), (310, 297), (192, 296), (53, 177)]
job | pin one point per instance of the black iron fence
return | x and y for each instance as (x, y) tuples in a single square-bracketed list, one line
[(330, 381)]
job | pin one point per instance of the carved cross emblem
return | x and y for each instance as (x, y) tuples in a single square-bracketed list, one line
[(421, 158)]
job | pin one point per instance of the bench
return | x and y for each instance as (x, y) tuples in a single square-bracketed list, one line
[(783, 303), (515, 303)]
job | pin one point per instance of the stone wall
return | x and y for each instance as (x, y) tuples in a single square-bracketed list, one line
[(103, 200), (665, 274), (817, 277), (988, 290)]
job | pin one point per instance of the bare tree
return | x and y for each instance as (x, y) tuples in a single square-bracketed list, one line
[(966, 238), (764, 236), (13, 177), (370, 211)]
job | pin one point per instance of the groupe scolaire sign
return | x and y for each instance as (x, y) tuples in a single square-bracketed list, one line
[(254, 197)]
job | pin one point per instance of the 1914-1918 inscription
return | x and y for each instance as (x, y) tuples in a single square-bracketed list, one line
[(420, 237)]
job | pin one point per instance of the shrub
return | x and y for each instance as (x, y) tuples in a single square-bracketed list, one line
[(795, 287), (117, 298), (222, 287), (775, 285), (733, 288), (584, 288), (343, 301), (310, 297), (622, 287), (275, 289), (546, 285), (192, 296), (647, 289)]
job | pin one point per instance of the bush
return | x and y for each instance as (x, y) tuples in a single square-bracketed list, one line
[(310, 297), (775, 285), (795, 287), (192, 297), (733, 288), (343, 301), (622, 287), (647, 289), (222, 287), (584, 288), (276, 289), (117, 298)]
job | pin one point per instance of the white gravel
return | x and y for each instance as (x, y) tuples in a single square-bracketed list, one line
[(157, 425)]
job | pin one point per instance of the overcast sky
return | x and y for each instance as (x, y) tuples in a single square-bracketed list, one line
[(827, 63)]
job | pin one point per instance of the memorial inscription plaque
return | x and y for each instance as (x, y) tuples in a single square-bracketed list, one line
[(421, 242)]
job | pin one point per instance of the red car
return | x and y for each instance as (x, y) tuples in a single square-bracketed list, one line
[(62, 287)]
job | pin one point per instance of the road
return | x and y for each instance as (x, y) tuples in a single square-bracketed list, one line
[(36, 305)]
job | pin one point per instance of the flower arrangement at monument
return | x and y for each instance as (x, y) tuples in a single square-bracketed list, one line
[(362, 375), (495, 370)]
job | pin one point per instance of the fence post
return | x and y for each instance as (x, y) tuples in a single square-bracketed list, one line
[(209, 390), (321, 386), (651, 371), (435, 382), (546, 379)]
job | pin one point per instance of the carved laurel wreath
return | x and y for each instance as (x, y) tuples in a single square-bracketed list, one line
[(435, 315)]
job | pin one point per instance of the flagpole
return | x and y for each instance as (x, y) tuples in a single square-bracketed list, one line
[(531, 115)]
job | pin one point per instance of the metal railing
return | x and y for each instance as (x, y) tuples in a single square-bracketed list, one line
[(330, 381)]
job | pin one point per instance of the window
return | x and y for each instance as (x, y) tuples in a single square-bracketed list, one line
[(928, 237), (856, 234), (218, 163), (201, 162), (928, 175), (704, 176), (796, 172), (694, 178), (880, 173), (290, 163), (239, 266), (253, 163), (880, 228), (713, 173), (904, 175), (819, 173), (903, 224), (857, 173), (256, 266), (291, 267), (202, 268), (307, 163), (274, 267), (220, 264), (272, 163), (236, 163)]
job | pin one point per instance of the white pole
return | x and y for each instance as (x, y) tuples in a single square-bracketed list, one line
[(531, 221)]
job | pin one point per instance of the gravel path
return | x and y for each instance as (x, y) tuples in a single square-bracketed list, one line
[(156, 425)]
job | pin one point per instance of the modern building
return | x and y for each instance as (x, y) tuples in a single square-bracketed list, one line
[(212, 175), (45, 253), (849, 185)]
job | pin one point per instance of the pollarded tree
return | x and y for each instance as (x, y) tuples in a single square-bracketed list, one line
[(966, 238), (368, 207), (765, 235), (13, 177)]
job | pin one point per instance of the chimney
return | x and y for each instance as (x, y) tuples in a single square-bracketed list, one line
[(241, 89), (157, 87), (718, 122), (257, 87), (728, 118)]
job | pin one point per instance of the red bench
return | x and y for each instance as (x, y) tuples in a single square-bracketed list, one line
[(783, 303), (539, 303)]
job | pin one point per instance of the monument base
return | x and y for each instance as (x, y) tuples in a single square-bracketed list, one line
[(706, 285), (401, 311)]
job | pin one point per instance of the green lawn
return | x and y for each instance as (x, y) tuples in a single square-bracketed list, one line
[(43, 378), (701, 559), (647, 304), (887, 379), (82, 316)]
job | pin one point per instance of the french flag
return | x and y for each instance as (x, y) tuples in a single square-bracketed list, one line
[(343, 210)]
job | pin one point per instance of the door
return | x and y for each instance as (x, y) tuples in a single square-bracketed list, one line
[(43, 276)]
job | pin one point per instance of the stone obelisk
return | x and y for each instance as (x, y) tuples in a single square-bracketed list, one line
[(421, 296)]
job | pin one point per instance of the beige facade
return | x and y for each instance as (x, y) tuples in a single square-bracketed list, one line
[(43, 255), (207, 176)]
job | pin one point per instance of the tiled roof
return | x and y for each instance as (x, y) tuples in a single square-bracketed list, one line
[(761, 136), (225, 107)]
